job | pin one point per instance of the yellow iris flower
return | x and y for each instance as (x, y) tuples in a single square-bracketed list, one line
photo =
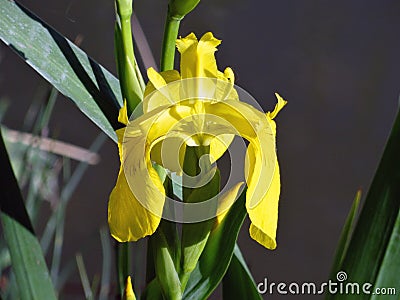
[(198, 106)]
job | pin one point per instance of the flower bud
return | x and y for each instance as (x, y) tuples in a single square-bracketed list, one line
[(180, 8)]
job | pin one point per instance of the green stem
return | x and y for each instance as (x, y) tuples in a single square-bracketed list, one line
[(168, 47), (123, 264), (130, 77)]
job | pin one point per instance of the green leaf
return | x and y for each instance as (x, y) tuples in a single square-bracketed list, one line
[(27, 259), (167, 276), (346, 235), (217, 254), (195, 235), (388, 276), (238, 283), (94, 90), (376, 228)]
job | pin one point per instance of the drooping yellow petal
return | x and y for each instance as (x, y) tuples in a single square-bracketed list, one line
[(128, 219), (252, 125), (197, 57), (131, 218), (264, 216)]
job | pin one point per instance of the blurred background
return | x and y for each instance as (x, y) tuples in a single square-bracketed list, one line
[(336, 62)]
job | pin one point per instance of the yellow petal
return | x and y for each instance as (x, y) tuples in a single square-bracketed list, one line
[(129, 294), (224, 91), (219, 145), (197, 57), (170, 153), (244, 120), (136, 202), (128, 219), (123, 114), (264, 217), (227, 199), (271, 115), (157, 81), (281, 103)]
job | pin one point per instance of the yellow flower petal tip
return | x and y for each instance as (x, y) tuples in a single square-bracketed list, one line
[(123, 114), (210, 41), (197, 56), (262, 238), (281, 104), (207, 41), (155, 78), (228, 72), (129, 294)]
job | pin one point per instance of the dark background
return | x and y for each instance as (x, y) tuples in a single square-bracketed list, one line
[(336, 62)]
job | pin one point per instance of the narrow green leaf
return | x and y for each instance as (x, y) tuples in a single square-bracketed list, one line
[(84, 277), (195, 235), (123, 264), (217, 254), (238, 283), (388, 279), (345, 236), (167, 276), (95, 91), (374, 229), (106, 265), (27, 259)]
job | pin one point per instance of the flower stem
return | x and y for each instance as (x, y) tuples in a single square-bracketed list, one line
[(130, 77), (168, 48)]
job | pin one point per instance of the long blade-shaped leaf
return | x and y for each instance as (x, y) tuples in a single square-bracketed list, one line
[(217, 254), (388, 276), (375, 228), (27, 259), (94, 90), (345, 236), (238, 283)]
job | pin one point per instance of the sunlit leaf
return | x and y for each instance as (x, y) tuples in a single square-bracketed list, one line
[(94, 90)]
